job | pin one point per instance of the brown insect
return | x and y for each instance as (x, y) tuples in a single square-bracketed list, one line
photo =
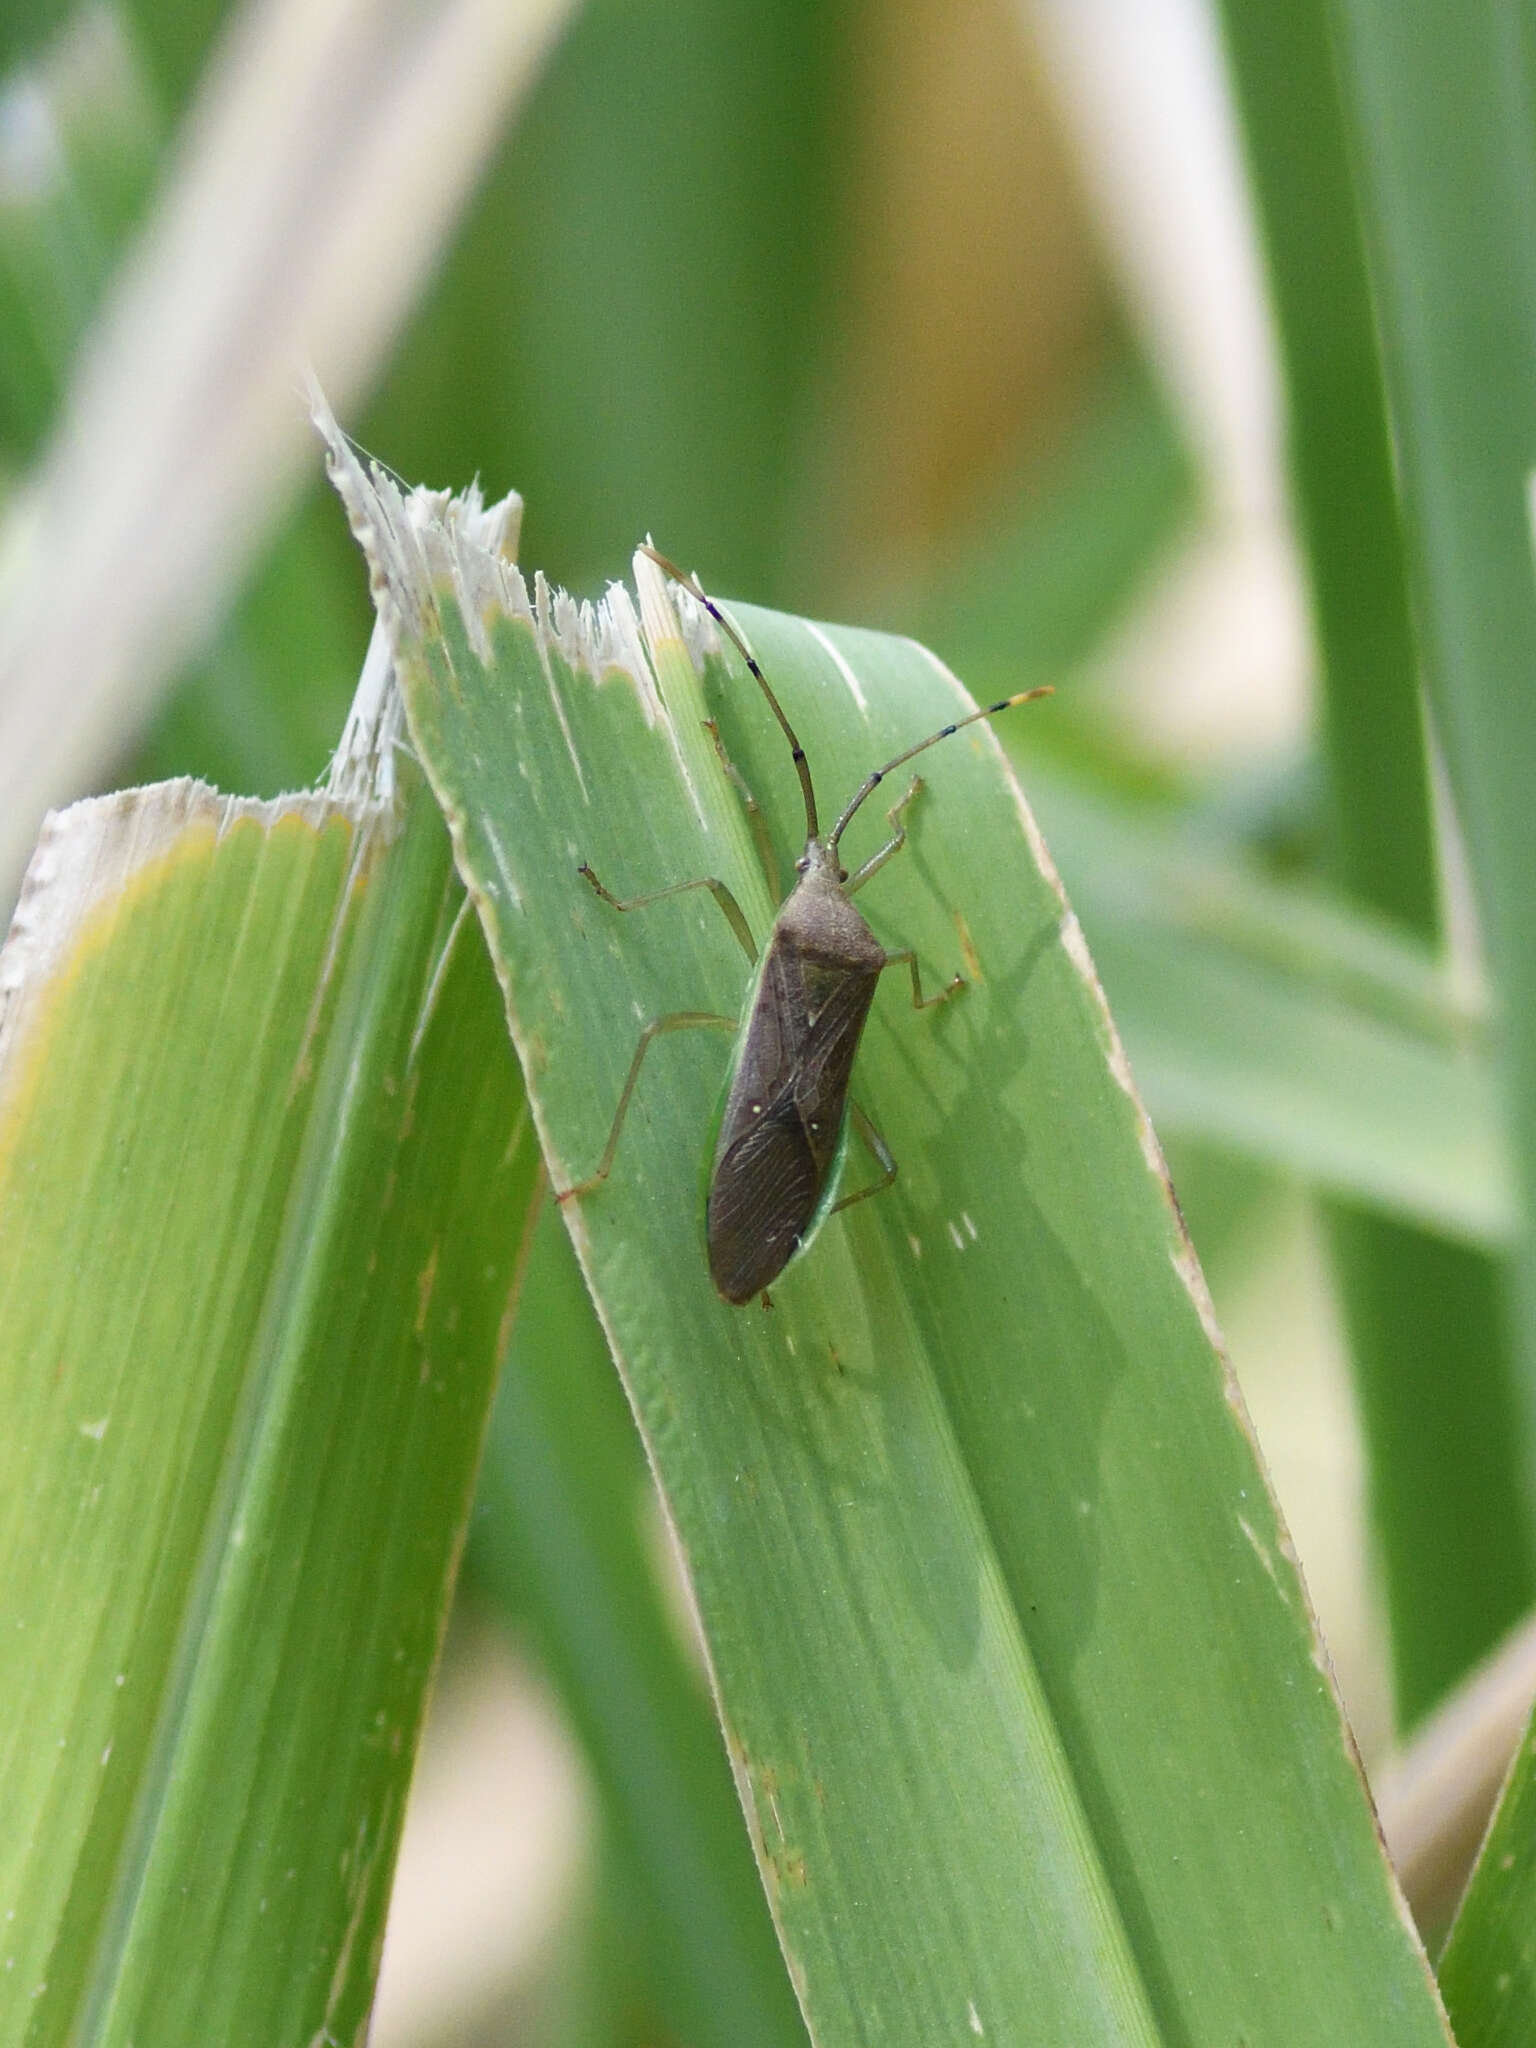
[(786, 1114)]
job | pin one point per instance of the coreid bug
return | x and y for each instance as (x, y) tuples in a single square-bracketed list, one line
[(786, 1114)]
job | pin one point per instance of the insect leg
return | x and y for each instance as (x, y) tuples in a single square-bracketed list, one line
[(730, 908), (879, 1151), (897, 840), (919, 1000), (679, 1020), (768, 860)]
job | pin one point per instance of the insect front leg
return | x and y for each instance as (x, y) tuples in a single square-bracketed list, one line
[(898, 839), (679, 1020), (878, 1150), (730, 908)]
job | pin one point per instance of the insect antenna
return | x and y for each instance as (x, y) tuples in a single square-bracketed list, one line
[(873, 781), (695, 589)]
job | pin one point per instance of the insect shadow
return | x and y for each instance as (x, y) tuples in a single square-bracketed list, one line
[(787, 1115)]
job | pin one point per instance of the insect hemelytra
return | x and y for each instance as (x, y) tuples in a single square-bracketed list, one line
[(785, 1118)]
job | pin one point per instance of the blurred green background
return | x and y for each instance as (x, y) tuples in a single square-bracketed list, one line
[(1042, 334)]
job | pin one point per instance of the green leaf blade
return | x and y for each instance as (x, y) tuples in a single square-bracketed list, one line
[(1009, 1784), (1401, 1297), (1018, 1679), (559, 1538), (254, 1350)]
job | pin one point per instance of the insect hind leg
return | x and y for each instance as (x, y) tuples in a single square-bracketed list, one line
[(730, 909), (679, 1020), (878, 1150)]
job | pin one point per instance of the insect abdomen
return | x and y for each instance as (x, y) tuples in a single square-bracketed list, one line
[(762, 1197), (782, 1128)]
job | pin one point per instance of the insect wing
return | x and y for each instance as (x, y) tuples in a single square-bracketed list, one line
[(783, 1126)]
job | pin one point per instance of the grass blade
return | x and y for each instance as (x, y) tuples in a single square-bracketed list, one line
[(1443, 139), (983, 1555), (1443, 132), (558, 1538), (1446, 1477), (256, 1239), (1285, 1028)]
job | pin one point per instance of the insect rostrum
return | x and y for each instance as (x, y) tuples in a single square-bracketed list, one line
[(785, 1121)]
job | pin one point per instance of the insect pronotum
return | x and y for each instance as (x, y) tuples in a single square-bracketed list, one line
[(786, 1114)]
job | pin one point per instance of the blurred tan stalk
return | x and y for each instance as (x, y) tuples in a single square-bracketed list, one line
[(316, 179)]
